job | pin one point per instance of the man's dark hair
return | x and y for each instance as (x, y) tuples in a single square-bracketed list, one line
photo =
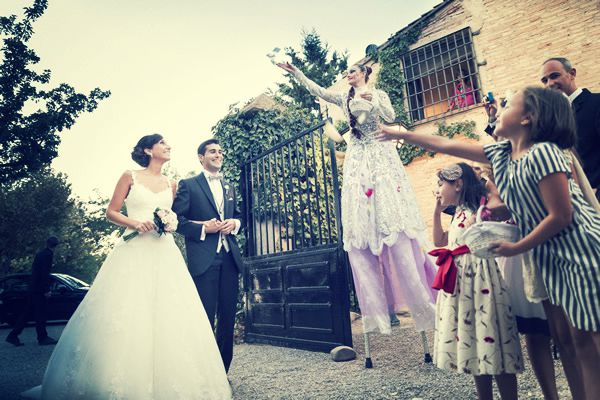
[(52, 242), (204, 145), (565, 62)]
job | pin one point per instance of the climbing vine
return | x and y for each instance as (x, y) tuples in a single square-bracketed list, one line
[(390, 78)]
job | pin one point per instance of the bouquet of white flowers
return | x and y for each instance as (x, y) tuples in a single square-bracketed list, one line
[(165, 221)]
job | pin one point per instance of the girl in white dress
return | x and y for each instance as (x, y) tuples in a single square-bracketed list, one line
[(383, 233), (475, 332), (141, 332)]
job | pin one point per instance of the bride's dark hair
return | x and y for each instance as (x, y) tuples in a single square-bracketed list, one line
[(355, 131), (146, 142)]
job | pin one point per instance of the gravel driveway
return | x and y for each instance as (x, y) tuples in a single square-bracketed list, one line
[(267, 372)]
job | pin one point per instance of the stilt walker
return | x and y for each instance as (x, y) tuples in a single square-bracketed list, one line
[(384, 234)]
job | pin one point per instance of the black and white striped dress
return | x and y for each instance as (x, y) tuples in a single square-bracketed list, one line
[(570, 261)]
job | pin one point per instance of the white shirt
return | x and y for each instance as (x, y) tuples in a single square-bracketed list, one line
[(574, 95), (216, 189)]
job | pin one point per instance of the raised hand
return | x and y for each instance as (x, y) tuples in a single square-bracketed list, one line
[(367, 96), (491, 108), (388, 132), (287, 67), (438, 203)]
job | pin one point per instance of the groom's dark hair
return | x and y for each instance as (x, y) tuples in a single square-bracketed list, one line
[(204, 145)]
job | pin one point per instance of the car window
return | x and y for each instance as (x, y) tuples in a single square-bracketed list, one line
[(56, 285), (20, 284)]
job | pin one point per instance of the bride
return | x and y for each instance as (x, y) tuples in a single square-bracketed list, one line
[(141, 332)]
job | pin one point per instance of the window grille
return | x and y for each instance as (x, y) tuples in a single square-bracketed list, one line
[(442, 76)]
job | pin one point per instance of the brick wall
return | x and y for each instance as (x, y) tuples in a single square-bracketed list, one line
[(515, 37)]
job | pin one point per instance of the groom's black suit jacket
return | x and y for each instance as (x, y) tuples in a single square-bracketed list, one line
[(194, 202)]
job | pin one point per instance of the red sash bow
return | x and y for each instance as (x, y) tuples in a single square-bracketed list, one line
[(446, 275)]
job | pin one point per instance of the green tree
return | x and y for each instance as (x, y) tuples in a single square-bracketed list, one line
[(29, 140), (314, 61), (42, 205), (245, 135)]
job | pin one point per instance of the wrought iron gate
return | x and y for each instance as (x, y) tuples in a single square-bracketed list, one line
[(296, 278)]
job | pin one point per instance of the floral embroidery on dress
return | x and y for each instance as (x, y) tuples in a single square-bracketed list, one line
[(373, 171)]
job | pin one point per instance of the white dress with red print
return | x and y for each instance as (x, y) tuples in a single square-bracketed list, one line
[(475, 330)]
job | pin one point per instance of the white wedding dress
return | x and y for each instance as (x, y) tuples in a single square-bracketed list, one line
[(141, 332)]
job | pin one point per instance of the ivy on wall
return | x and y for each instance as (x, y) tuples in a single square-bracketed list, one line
[(246, 135), (288, 199), (390, 78)]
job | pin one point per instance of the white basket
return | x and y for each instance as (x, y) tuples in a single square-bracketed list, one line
[(479, 236)]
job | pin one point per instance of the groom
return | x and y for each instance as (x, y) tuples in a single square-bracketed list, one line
[(209, 219)]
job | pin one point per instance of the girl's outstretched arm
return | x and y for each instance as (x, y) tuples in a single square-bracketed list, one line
[(435, 143)]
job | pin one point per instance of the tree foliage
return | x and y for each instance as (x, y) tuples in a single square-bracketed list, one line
[(32, 114), (42, 205), (246, 135), (314, 61)]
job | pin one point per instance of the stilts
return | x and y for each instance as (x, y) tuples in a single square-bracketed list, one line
[(427, 357), (368, 362)]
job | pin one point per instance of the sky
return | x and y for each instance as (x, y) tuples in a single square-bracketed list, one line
[(174, 67)]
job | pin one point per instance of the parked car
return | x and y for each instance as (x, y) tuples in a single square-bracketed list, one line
[(66, 294)]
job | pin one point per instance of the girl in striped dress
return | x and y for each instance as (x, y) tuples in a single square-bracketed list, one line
[(557, 224)]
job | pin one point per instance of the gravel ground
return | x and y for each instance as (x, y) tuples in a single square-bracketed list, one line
[(267, 372)]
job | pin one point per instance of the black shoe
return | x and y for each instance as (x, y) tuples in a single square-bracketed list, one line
[(47, 341), (14, 340)]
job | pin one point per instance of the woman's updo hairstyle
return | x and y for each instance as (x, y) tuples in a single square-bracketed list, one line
[(146, 142)]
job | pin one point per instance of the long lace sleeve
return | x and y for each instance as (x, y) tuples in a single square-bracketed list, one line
[(383, 105), (316, 90)]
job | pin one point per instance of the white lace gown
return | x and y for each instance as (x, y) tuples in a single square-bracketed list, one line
[(384, 234), (374, 167), (141, 332)]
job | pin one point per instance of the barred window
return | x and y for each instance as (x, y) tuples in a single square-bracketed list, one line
[(442, 76)]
